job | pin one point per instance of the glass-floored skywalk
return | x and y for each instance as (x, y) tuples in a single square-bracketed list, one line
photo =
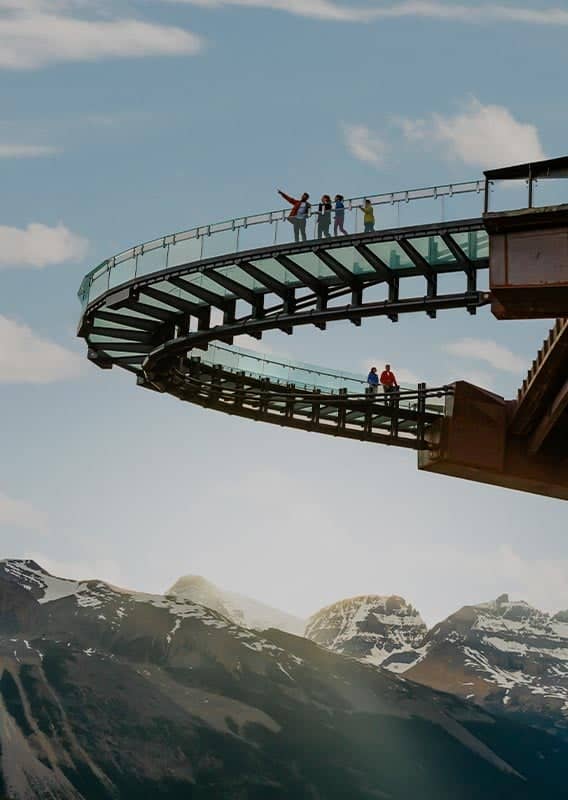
[(168, 310)]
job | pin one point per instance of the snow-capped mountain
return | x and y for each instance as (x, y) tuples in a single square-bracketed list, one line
[(107, 693), (386, 631), (243, 610), (504, 655)]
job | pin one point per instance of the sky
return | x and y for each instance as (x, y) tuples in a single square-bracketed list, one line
[(122, 122)]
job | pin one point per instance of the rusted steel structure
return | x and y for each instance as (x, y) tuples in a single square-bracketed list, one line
[(520, 443)]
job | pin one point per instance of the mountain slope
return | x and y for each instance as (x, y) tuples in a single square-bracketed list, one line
[(507, 656), (378, 630), (106, 693), (243, 610)]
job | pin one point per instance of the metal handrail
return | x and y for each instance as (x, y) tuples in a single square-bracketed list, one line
[(271, 217)]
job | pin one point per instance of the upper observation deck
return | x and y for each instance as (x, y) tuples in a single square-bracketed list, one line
[(217, 242)]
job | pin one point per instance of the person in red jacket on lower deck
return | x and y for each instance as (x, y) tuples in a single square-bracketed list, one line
[(388, 382)]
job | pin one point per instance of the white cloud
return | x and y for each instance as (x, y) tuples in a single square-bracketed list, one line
[(27, 358), (18, 514), (343, 12), (364, 145), (479, 135), (26, 150), (32, 38), (496, 355), (39, 246)]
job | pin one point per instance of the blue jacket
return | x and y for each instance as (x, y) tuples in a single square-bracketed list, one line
[(373, 379)]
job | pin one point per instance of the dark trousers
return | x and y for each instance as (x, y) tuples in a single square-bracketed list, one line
[(299, 225), (324, 223), (389, 391)]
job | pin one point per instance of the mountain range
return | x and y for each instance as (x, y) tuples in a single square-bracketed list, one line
[(107, 693), (502, 655)]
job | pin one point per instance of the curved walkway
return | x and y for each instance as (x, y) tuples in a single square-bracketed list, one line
[(174, 326)]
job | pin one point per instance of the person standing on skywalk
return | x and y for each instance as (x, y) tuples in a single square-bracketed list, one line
[(299, 214), (339, 215), (324, 217), (373, 380), (389, 383), (368, 216)]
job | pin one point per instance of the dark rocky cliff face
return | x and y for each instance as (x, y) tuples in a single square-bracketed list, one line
[(112, 694)]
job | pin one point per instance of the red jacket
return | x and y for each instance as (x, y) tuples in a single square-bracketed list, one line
[(388, 378), (294, 203)]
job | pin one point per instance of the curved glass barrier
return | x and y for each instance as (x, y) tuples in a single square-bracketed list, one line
[(303, 376), (273, 228)]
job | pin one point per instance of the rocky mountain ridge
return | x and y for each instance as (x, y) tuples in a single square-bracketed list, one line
[(106, 693), (503, 655), (385, 631), (240, 609)]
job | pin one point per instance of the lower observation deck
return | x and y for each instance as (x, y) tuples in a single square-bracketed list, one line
[(305, 397)]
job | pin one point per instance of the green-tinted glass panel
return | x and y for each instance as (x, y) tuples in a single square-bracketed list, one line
[(99, 284), (219, 244), (184, 252), (392, 254), (169, 288), (275, 270), (475, 244), (312, 264), (152, 261), (433, 249), (352, 260), (199, 279), (123, 272)]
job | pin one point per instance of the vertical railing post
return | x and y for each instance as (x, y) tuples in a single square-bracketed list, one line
[(342, 410), (316, 408), (421, 409), (290, 401), (368, 422)]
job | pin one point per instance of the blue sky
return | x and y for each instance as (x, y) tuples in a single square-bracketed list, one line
[(126, 121)]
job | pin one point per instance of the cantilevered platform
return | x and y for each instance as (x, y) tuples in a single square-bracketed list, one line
[(169, 310)]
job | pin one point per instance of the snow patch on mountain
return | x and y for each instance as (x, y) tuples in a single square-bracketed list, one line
[(379, 630), (242, 610)]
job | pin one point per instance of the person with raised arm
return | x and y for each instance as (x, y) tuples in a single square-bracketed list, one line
[(299, 214)]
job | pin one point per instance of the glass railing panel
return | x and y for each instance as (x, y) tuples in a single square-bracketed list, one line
[(392, 254), (219, 243), (352, 260), (151, 261), (122, 273), (184, 252), (99, 283), (433, 250), (312, 264)]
